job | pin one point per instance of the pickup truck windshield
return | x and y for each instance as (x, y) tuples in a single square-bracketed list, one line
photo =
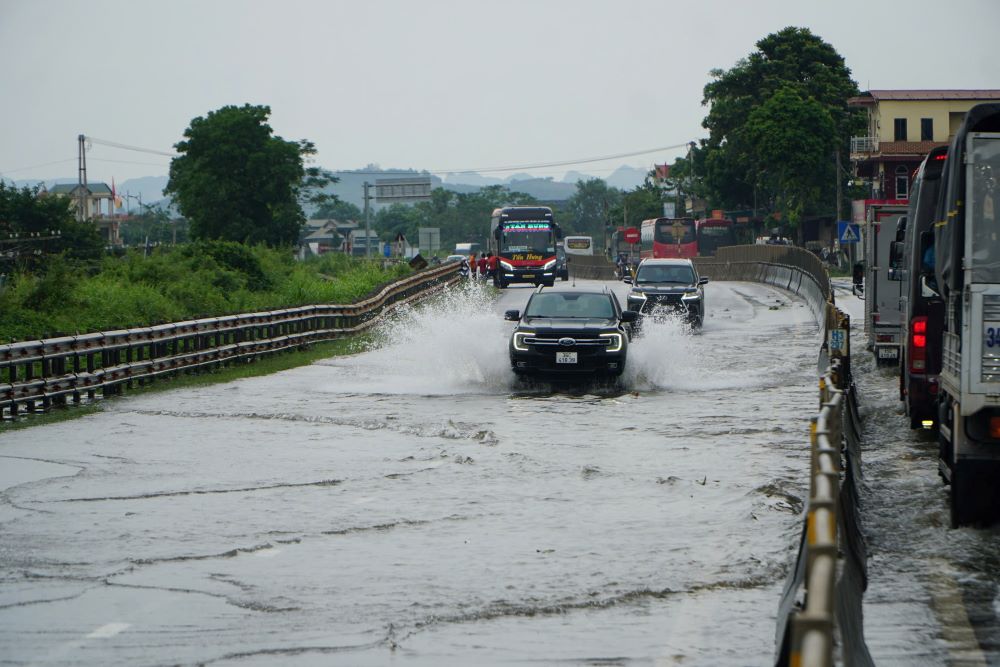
[(570, 305)]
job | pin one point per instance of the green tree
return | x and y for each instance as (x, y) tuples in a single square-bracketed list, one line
[(799, 68), (35, 227), (590, 207), (234, 180), (790, 141), (641, 203), (153, 224), (338, 209)]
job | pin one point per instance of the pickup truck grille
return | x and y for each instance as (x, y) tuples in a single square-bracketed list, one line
[(539, 341)]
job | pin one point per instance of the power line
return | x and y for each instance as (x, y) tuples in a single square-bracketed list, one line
[(115, 144), (560, 163), (37, 166), (148, 164)]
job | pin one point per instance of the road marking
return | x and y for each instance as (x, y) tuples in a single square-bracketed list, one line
[(949, 607), (109, 630)]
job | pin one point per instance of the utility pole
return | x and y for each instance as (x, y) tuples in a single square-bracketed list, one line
[(840, 196), (81, 208), (368, 245)]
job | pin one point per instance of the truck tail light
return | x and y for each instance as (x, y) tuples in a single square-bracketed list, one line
[(918, 344), (995, 428)]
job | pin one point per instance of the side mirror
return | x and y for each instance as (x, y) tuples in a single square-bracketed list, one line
[(512, 315), (627, 279), (896, 250), (703, 280), (629, 316)]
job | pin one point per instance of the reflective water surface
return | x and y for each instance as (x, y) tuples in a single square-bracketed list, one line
[(414, 504)]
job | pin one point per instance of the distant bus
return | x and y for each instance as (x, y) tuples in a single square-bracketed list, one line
[(579, 245), (668, 237), (715, 233)]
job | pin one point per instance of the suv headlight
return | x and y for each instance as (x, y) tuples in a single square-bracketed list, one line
[(616, 342), (519, 343), (691, 296), (506, 266), (636, 296), (548, 265)]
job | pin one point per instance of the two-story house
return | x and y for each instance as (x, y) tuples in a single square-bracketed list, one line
[(903, 126)]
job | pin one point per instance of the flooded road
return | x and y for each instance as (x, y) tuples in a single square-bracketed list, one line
[(933, 593), (413, 504)]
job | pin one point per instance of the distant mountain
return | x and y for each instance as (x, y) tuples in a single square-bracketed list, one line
[(626, 178)]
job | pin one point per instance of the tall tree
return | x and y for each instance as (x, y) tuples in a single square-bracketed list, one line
[(799, 68), (235, 181), (35, 226), (590, 207)]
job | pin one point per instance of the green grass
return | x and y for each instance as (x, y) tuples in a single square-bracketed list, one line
[(179, 283)]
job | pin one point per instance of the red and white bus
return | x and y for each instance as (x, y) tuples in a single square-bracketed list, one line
[(668, 237)]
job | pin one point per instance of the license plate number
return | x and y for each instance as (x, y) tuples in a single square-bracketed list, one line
[(888, 353), (528, 275), (565, 357)]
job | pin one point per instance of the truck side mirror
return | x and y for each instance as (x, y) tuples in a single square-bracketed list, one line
[(512, 315), (896, 250)]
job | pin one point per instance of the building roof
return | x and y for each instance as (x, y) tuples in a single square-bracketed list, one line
[(96, 188), (908, 147), (871, 97)]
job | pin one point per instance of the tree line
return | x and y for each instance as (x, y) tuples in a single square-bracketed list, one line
[(777, 122)]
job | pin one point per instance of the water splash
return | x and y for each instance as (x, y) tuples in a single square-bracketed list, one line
[(454, 343)]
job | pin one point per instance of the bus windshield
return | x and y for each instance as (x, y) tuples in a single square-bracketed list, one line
[(529, 241)]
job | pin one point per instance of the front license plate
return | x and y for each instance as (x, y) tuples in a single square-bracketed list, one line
[(888, 353), (565, 357), (528, 275)]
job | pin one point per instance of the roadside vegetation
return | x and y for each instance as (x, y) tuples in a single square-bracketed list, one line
[(171, 284)]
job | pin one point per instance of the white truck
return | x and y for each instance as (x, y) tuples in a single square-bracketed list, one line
[(883, 290), (967, 272)]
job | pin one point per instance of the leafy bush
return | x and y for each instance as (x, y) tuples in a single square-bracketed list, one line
[(180, 283)]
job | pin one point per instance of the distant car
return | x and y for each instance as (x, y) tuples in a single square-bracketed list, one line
[(456, 258), (570, 333), (668, 286), (562, 268)]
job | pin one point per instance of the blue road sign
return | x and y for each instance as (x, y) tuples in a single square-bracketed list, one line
[(848, 232)]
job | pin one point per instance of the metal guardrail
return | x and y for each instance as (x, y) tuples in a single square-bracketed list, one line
[(42, 373)]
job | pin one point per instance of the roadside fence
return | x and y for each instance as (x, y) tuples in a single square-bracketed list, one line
[(35, 375)]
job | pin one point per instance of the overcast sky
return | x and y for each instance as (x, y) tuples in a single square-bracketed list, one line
[(431, 84)]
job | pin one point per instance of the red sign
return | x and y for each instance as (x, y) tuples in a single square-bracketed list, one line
[(631, 235)]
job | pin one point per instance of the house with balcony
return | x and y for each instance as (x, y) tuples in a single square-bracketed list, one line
[(94, 203), (903, 126)]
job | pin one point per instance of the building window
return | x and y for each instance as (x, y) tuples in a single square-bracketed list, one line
[(899, 126), (926, 129), (902, 182)]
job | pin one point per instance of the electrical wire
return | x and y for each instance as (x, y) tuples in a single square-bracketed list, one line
[(115, 144), (36, 166)]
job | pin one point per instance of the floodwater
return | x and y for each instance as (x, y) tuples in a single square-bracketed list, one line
[(414, 504)]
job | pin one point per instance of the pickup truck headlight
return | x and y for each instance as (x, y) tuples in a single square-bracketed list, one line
[(506, 266), (519, 343), (549, 264), (615, 344)]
